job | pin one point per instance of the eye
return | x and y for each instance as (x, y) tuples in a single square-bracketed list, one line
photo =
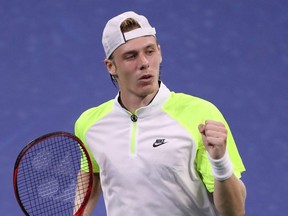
[(150, 51), (130, 56)]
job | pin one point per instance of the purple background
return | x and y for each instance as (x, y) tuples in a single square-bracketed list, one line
[(233, 53)]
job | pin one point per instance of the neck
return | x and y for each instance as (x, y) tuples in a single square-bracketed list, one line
[(132, 102)]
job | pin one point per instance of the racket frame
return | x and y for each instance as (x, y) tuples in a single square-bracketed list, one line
[(35, 142)]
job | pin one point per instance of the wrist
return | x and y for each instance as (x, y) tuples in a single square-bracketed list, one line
[(222, 168)]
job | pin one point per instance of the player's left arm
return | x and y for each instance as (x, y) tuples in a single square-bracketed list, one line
[(229, 192)]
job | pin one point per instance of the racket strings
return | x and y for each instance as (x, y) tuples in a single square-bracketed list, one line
[(48, 177)]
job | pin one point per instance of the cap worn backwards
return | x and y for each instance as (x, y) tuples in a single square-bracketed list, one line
[(112, 36)]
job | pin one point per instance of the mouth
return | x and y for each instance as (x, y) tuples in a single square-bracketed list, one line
[(146, 77)]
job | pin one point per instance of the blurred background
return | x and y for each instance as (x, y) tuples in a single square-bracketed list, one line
[(232, 53)]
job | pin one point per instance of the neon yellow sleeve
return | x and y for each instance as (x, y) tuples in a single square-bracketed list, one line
[(202, 163), (82, 125), (191, 111), (79, 133)]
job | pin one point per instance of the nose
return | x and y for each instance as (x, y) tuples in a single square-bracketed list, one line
[(144, 63)]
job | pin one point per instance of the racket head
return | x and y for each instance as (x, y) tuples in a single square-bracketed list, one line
[(45, 175)]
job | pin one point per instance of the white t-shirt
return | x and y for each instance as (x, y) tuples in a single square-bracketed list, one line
[(154, 163)]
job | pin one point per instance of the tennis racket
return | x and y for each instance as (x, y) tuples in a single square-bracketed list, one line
[(53, 176)]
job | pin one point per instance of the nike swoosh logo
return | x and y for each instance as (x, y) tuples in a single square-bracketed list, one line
[(159, 142)]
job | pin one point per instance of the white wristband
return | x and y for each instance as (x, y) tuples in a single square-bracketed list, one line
[(222, 168)]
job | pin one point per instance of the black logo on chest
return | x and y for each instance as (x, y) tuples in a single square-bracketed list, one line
[(159, 142)]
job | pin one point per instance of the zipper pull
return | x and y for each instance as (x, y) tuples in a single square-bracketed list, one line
[(133, 118)]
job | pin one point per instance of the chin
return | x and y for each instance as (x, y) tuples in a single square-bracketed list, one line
[(149, 89)]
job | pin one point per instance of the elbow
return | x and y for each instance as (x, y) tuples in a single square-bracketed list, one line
[(237, 209), (234, 208), (233, 212)]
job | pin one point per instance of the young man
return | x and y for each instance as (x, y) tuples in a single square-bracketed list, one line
[(156, 152)]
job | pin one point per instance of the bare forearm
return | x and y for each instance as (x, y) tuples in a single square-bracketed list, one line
[(82, 184), (229, 197), (96, 191)]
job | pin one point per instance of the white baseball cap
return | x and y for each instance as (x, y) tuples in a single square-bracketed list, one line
[(112, 36)]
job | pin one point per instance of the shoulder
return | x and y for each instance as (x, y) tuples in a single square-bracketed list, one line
[(94, 114), (184, 102), (190, 111)]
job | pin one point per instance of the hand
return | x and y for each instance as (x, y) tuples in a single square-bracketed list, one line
[(214, 136)]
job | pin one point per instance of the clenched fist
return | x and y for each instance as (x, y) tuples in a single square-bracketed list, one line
[(214, 136)]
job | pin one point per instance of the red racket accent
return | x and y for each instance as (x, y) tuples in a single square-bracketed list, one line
[(53, 176)]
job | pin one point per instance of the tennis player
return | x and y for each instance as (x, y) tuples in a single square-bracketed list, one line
[(157, 152)]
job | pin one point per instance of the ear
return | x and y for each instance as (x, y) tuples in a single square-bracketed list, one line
[(110, 67), (160, 53)]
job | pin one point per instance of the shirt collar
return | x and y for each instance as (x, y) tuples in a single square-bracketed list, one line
[(158, 101)]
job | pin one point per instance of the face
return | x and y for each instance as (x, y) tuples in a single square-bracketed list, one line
[(136, 66)]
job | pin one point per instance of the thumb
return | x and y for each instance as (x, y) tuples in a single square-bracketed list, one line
[(201, 128)]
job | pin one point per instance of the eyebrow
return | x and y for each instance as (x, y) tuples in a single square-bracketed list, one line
[(133, 51)]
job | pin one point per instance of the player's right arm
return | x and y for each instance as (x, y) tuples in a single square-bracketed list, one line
[(96, 191)]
